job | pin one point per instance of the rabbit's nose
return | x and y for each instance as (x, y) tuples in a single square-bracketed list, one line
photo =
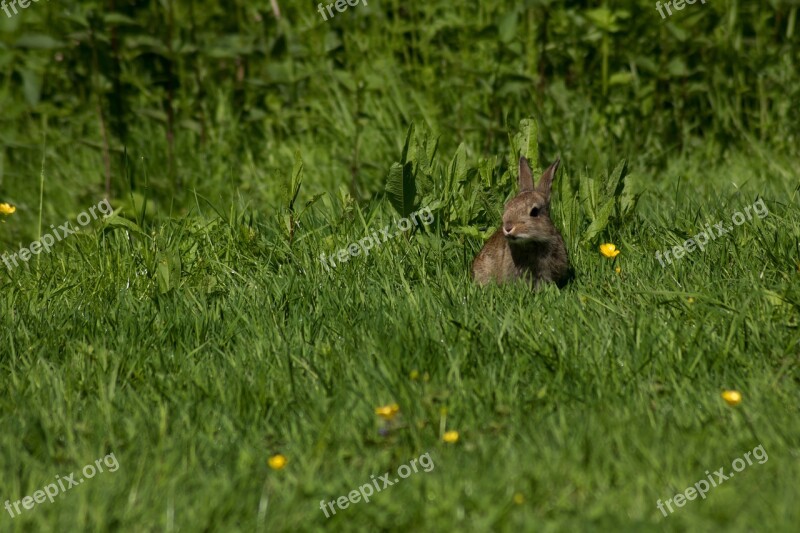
[(507, 229)]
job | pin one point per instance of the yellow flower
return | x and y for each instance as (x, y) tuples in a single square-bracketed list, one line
[(732, 397), (277, 462), (387, 412), (618, 269), (690, 300), (519, 499), (414, 375), (609, 250), (7, 209), (450, 437)]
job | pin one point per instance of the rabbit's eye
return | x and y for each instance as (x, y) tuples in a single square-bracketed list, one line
[(535, 212)]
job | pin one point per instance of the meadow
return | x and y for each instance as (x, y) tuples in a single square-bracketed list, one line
[(242, 385)]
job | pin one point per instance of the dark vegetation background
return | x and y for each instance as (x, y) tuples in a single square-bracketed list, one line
[(216, 97)]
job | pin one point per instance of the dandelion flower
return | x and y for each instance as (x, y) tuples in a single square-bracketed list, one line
[(7, 209), (690, 300), (450, 437), (519, 499), (414, 375), (609, 250), (277, 462), (618, 270), (387, 412), (732, 397)]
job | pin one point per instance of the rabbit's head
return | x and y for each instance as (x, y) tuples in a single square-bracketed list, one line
[(526, 218)]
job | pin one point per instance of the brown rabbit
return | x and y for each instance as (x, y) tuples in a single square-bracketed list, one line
[(528, 245)]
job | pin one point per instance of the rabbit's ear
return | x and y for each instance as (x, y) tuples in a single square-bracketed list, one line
[(525, 177), (546, 181)]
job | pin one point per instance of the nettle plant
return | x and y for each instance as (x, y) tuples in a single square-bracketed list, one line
[(469, 200)]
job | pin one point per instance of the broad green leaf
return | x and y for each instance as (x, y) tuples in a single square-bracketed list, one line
[(621, 78), (406, 144), (628, 202), (600, 222), (677, 67), (119, 19), (460, 164), (401, 188), (470, 231), (527, 142), (507, 27), (118, 222), (604, 19), (616, 181), (587, 197), (168, 272), (486, 171), (37, 41)]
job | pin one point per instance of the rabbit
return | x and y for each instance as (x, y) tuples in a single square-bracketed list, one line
[(527, 245)]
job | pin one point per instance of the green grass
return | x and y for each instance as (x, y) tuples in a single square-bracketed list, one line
[(592, 402), (196, 334)]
